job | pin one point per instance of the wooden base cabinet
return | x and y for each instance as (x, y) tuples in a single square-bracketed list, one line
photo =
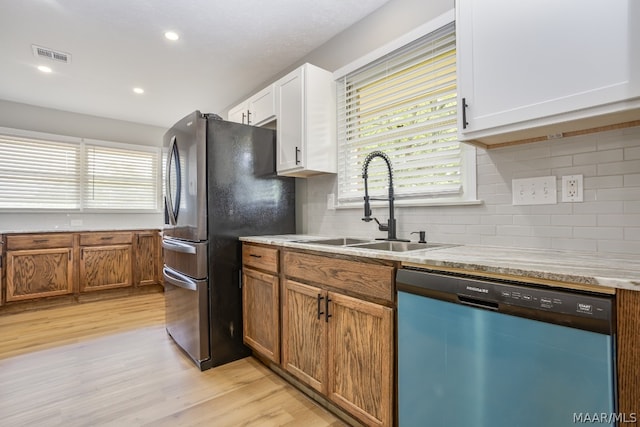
[(147, 258), (39, 265), (260, 312), (261, 300), (342, 347), (304, 334), (39, 273), (105, 260), (360, 358)]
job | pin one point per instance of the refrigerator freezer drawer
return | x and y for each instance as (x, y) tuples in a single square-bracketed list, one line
[(187, 314), (188, 258)]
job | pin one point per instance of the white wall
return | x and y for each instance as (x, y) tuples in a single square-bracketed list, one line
[(28, 117), (607, 221)]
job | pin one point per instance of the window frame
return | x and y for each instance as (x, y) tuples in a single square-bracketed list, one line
[(83, 144), (468, 195)]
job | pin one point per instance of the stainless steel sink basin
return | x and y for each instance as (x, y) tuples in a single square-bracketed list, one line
[(339, 241), (399, 246)]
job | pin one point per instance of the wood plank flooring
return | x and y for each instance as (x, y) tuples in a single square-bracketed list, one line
[(111, 363)]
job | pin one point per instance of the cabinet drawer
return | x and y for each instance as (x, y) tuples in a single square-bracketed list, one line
[(260, 257), (39, 241), (372, 280), (106, 238)]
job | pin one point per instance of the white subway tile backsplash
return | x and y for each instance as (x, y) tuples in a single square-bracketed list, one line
[(632, 180), (619, 168), (592, 182), (632, 153), (632, 233), (574, 220), (598, 157), (608, 220), (574, 244), (625, 220), (616, 233), (629, 193)]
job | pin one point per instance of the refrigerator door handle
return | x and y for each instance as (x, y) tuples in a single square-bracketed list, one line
[(171, 207), (179, 280), (179, 247)]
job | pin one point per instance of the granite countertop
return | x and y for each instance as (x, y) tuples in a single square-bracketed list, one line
[(605, 270)]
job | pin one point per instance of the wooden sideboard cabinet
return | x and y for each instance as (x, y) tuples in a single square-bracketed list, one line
[(147, 258), (105, 260), (261, 301), (39, 265)]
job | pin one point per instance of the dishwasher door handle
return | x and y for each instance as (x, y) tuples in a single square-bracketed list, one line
[(478, 303)]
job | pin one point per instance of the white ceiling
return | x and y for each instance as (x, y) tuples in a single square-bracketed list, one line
[(226, 49)]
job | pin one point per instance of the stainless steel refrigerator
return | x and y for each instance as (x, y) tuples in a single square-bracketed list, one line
[(220, 183)]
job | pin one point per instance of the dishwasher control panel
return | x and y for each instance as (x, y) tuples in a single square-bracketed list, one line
[(559, 306)]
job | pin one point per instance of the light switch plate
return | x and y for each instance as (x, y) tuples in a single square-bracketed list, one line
[(534, 191)]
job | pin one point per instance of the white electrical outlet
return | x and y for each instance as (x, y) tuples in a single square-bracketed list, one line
[(534, 191), (572, 188)]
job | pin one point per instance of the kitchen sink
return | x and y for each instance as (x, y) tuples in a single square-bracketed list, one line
[(395, 246), (339, 241)]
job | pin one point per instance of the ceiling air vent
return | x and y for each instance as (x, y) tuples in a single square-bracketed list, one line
[(54, 55)]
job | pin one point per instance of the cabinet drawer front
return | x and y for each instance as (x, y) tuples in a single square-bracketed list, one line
[(260, 257), (39, 241), (371, 280), (106, 238)]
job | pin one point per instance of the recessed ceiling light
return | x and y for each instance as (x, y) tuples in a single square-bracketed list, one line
[(138, 90), (44, 69), (171, 35)]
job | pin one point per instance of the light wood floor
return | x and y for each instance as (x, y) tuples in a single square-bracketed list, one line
[(111, 363)]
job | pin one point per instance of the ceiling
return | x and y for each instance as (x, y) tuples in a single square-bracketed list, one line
[(226, 49)]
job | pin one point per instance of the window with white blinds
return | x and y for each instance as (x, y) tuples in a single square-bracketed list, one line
[(122, 179), (403, 104), (51, 174), (38, 174)]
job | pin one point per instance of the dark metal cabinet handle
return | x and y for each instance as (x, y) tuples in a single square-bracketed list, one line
[(243, 117), (326, 310), (297, 157), (248, 117), (40, 240), (106, 238), (320, 298), (255, 256), (465, 123)]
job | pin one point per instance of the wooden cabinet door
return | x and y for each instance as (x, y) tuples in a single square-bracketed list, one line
[(304, 334), (360, 358), (147, 258), (105, 267), (39, 273), (261, 313)]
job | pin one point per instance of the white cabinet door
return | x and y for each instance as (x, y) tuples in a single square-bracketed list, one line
[(262, 106), (528, 64), (306, 129), (238, 114), (290, 128)]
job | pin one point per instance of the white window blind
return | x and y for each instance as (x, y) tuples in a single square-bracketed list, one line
[(403, 104), (37, 174), (120, 178), (51, 172)]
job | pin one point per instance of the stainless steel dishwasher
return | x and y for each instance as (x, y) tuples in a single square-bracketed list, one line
[(473, 352)]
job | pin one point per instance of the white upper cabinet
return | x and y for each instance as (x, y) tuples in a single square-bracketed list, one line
[(306, 127), (257, 110), (535, 68)]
